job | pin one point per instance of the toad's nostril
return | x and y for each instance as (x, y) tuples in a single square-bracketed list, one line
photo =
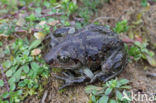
[(51, 61), (48, 59)]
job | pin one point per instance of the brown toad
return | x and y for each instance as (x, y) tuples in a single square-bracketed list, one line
[(94, 52)]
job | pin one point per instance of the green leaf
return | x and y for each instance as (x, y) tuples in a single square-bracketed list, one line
[(25, 68), (103, 99), (90, 88), (35, 44), (1, 43), (38, 11), (151, 60), (93, 99), (137, 43), (31, 18), (5, 101), (108, 91), (126, 87), (21, 84), (14, 68), (5, 95), (1, 83), (123, 81), (112, 101), (9, 73), (118, 94), (112, 83), (7, 50), (121, 26), (12, 86), (35, 67), (94, 92), (144, 3), (12, 79), (72, 7), (135, 52), (26, 52), (46, 4), (17, 75), (7, 64), (151, 53), (19, 92), (30, 85)]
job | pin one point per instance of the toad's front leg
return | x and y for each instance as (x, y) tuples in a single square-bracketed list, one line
[(69, 81), (85, 74), (112, 67)]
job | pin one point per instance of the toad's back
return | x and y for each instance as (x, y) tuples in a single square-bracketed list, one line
[(87, 45)]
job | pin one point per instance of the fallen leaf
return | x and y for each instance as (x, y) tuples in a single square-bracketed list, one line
[(39, 35), (131, 34), (3, 20), (42, 23), (3, 36), (53, 23), (127, 40), (21, 21), (151, 60), (138, 38), (35, 52)]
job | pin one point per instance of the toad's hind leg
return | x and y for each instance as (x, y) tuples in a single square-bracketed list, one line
[(112, 67), (105, 79)]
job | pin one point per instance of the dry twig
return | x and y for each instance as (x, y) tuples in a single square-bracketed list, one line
[(44, 96)]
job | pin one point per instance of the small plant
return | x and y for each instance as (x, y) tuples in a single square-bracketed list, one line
[(7, 28), (1, 43), (111, 92), (69, 6), (88, 9), (24, 71), (121, 26), (92, 4), (139, 51), (144, 3)]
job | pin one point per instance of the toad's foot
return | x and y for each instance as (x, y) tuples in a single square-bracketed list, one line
[(71, 80), (98, 75), (103, 77)]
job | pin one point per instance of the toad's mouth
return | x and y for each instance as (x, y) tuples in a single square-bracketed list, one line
[(70, 65)]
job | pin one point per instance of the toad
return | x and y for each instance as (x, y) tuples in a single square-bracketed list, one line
[(89, 54)]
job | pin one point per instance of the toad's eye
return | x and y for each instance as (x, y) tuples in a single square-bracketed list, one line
[(63, 59)]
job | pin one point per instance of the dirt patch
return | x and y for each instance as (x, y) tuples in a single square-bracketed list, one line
[(137, 75), (116, 10)]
